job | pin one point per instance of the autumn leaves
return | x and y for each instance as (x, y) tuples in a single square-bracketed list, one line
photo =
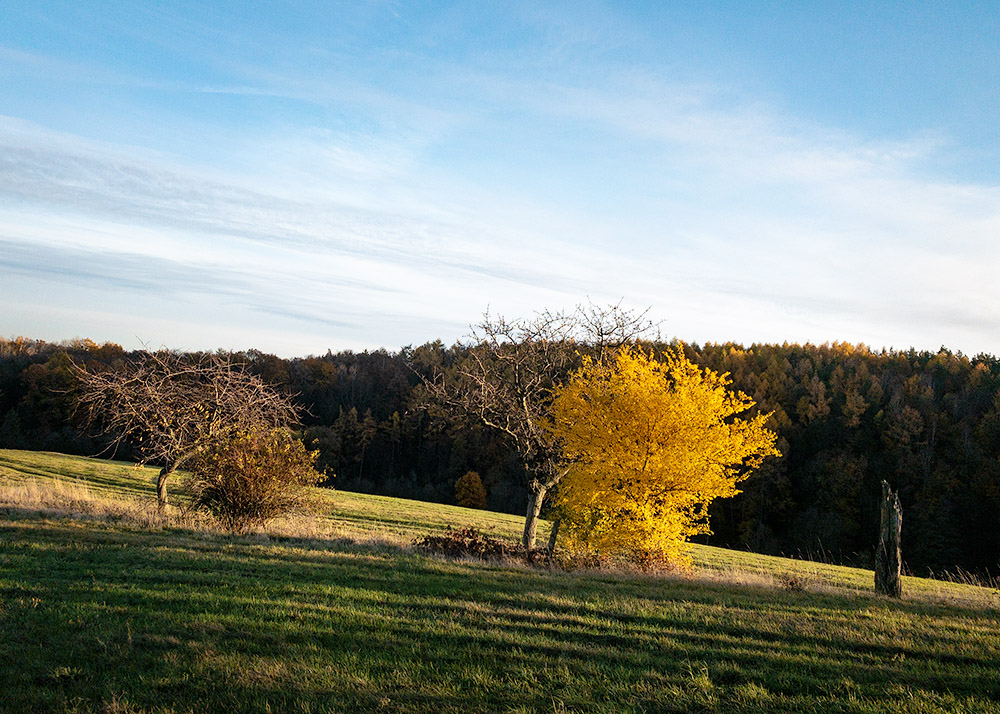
[(649, 443), (633, 444)]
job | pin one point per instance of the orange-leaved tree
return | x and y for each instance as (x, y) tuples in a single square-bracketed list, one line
[(651, 443), (469, 491)]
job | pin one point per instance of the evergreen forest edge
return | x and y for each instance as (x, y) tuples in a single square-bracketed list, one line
[(847, 418)]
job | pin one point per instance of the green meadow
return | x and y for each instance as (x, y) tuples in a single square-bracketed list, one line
[(107, 607)]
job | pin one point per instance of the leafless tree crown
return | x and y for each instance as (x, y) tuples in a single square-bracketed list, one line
[(170, 406)]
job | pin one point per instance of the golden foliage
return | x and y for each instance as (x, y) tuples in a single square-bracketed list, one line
[(651, 444)]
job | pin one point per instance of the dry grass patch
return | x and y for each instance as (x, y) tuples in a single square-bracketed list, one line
[(77, 500)]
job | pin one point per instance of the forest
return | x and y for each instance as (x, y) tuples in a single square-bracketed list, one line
[(847, 417)]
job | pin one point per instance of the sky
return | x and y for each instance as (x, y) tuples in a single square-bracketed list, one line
[(302, 176)]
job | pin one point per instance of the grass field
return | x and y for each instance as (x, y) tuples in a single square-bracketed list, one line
[(105, 609), (352, 516)]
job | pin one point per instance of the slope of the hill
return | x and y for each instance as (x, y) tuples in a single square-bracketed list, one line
[(102, 611)]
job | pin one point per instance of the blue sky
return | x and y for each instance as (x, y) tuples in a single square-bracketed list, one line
[(297, 176)]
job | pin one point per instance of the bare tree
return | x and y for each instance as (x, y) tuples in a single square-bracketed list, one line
[(171, 407), (512, 367)]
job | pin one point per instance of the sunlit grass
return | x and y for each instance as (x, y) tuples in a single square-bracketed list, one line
[(104, 614), (339, 514), (56, 483), (95, 614)]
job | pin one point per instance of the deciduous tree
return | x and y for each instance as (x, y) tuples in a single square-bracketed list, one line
[(508, 376), (171, 407), (469, 491), (648, 445)]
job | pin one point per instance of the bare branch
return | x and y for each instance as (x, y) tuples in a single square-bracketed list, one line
[(509, 373), (170, 407)]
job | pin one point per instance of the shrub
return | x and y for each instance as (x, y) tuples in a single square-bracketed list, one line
[(642, 560), (471, 543), (245, 479), (652, 560), (469, 491)]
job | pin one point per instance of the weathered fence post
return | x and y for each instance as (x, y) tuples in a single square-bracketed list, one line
[(888, 556), (552, 538)]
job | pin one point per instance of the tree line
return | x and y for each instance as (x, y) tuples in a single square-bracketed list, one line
[(847, 418)]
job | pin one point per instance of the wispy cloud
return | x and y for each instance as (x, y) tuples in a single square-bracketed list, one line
[(857, 233), (91, 217), (400, 221)]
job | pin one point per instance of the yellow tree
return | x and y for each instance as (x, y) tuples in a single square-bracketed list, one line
[(651, 444), (507, 377)]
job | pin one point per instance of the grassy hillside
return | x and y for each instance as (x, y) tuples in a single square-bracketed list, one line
[(108, 612), (353, 516)]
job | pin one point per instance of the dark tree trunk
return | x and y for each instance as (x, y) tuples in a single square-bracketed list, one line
[(552, 537), (888, 556)]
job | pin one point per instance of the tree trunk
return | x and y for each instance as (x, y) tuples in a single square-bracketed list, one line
[(888, 556), (536, 495), (161, 486)]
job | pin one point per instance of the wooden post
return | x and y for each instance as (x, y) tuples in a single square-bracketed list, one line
[(888, 556), (552, 537)]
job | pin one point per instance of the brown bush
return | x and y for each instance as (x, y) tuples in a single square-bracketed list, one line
[(465, 542), (245, 479), (470, 543), (651, 560), (642, 560), (577, 559)]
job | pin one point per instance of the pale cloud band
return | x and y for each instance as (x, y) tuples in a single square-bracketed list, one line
[(752, 228)]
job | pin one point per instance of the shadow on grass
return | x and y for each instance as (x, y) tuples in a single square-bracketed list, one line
[(185, 620)]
